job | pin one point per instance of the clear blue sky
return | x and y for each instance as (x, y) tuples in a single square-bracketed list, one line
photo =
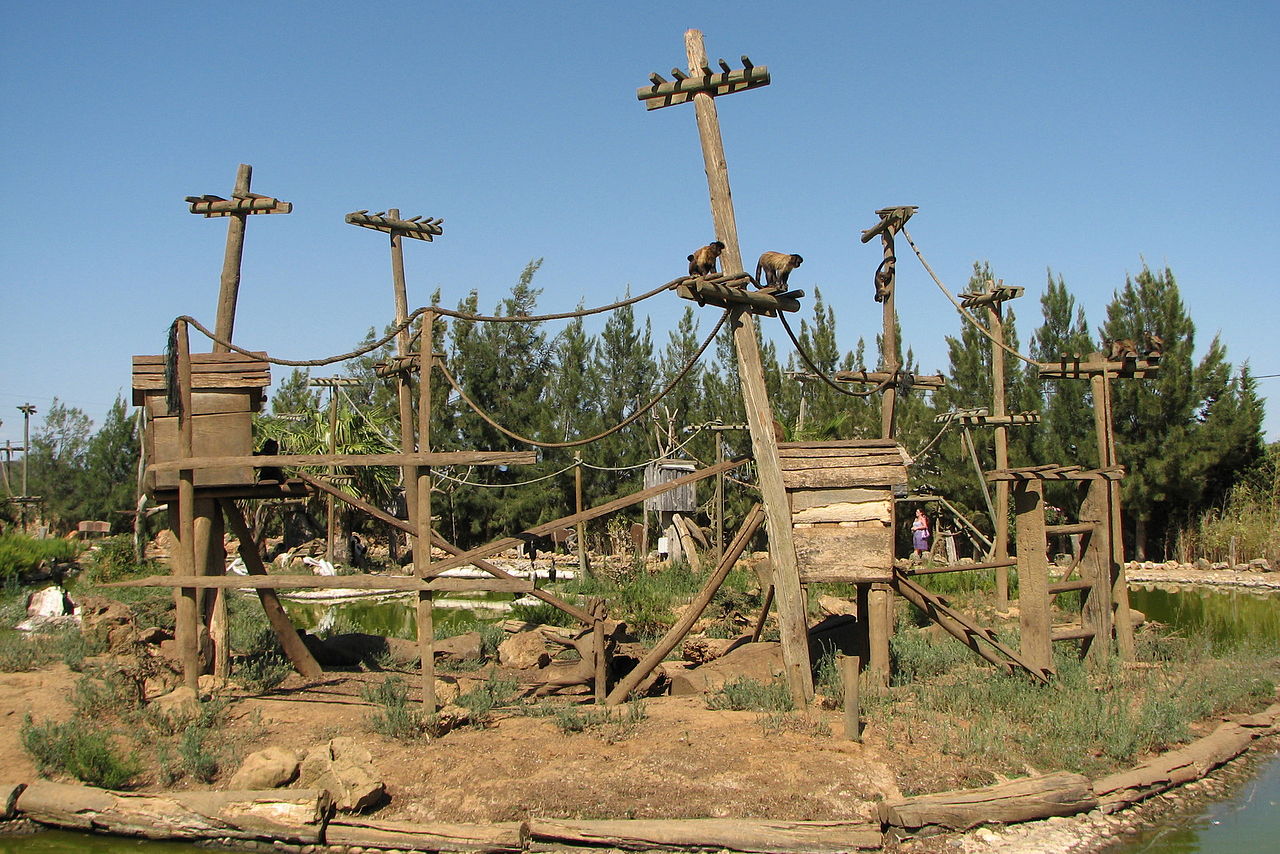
[(1083, 137)]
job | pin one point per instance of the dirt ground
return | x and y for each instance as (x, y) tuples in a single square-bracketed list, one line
[(682, 760)]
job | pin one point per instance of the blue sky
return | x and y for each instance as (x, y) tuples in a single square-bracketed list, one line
[(1083, 137)]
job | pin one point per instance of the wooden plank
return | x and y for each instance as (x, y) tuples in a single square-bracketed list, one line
[(961, 567), (845, 477), (1033, 574), (446, 584), (846, 511), (830, 461), (187, 600), (440, 458), (1066, 633), (202, 362), (833, 554), (850, 666), (838, 443), (717, 834), (1027, 799), (369, 832), (806, 499)]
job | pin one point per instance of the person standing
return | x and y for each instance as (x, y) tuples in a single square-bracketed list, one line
[(920, 534)]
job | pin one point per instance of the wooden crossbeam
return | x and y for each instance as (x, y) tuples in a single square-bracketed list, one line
[(731, 292), (891, 219), (980, 418), (665, 93), (446, 584), (248, 203), (416, 227), (877, 377), (1085, 367), (439, 458), (1055, 472), (999, 293)]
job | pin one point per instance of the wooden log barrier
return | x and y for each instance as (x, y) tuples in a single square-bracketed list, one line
[(1027, 799), (1184, 765), (746, 835), (290, 815), (358, 831)]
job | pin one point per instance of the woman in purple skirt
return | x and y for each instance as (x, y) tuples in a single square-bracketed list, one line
[(920, 534)]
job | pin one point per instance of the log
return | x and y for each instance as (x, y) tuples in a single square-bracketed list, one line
[(1027, 799), (295, 815), (353, 830), (1174, 768), (448, 584), (441, 458), (845, 476), (687, 544), (767, 837), (846, 511), (9, 799)]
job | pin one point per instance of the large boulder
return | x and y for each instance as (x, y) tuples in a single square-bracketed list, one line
[(180, 706), (465, 647), (48, 608), (269, 768), (346, 770), (524, 650), (356, 648), (107, 621), (759, 661)]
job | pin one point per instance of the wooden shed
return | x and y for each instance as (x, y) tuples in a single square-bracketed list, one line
[(227, 389), (842, 506)]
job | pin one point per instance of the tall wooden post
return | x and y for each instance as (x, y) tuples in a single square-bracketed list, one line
[(581, 527), (330, 509), (187, 603), (1100, 385), (790, 595), (995, 316), (404, 383), (889, 399), (422, 519), (1033, 574)]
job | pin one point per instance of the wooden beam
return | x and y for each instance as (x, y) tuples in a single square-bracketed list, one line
[(1033, 574), (668, 93), (703, 292), (417, 228), (877, 377), (445, 584), (441, 458)]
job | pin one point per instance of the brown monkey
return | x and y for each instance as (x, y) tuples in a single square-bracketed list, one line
[(884, 277), (1122, 348), (703, 262), (1152, 345), (777, 266)]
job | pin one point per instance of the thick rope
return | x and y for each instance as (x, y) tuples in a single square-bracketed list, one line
[(818, 372), (609, 432), (964, 311), (464, 482), (915, 458), (676, 449)]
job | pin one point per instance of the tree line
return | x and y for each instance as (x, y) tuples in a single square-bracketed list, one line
[(1185, 436)]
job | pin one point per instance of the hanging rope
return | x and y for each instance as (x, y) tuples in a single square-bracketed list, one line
[(818, 372), (964, 311), (676, 449), (464, 482), (475, 407), (915, 458)]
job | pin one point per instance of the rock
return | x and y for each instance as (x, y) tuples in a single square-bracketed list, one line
[(466, 647), (106, 621), (346, 769), (356, 648), (210, 685), (449, 718), (1260, 564), (178, 706), (154, 635), (270, 768), (1202, 564), (524, 650), (759, 661), (1220, 565), (834, 606), (702, 650), (49, 602)]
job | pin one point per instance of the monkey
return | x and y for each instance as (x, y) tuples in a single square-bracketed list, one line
[(1152, 345), (884, 277), (777, 266), (1122, 348), (703, 262), (270, 448)]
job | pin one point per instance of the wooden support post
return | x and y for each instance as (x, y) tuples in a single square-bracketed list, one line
[(211, 559), (187, 602), (720, 505), (764, 611), (879, 630), (601, 679), (229, 288), (1100, 385), (422, 516), (294, 649), (1033, 574), (330, 507), (581, 527), (849, 667), (789, 593), (889, 397), (1095, 568), (404, 382), (995, 314)]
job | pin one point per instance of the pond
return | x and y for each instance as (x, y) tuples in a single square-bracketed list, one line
[(395, 616)]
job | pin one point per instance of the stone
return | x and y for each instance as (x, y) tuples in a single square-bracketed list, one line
[(524, 650), (1202, 564), (759, 661), (1260, 564), (833, 606), (701, 650), (154, 636), (178, 706), (49, 602), (269, 768), (465, 647), (107, 621), (346, 770), (210, 684)]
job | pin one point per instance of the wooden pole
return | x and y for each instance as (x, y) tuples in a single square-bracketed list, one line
[(1095, 567), (1033, 574), (889, 398), (422, 543), (967, 437), (581, 527), (187, 602), (849, 667), (211, 559), (995, 314), (330, 507), (404, 383), (1103, 419), (789, 593), (720, 499), (879, 630), (229, 289)]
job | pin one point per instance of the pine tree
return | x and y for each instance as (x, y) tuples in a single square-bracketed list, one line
[(1066, 433)]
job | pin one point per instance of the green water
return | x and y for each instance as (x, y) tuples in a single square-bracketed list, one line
[(61, 841), (394, 616), (1227, 615)]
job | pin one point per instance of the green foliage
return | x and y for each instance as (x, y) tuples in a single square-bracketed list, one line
[(262, 672), (483, 700), (541, 612), (392, 715), (113, 559), (611, 724), (21, 554), (748, 695), (80, 749)]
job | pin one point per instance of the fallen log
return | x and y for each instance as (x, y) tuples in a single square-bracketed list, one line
[(289, 815), (9, 799), (1174, 768), (764, 837), (1026, 799), (430, 836)]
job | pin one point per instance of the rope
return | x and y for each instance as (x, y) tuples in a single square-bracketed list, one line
[(915, 458), (298, 363), (964, 311), (475, 407), (676, 449), (818, 372), (464, 482), (564, 315)]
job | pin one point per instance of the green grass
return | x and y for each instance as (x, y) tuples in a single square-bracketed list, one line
[(79, 749), (21, 554), (748, 695), (392, 715)]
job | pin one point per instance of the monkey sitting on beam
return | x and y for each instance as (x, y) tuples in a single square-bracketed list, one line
[(776, 266)]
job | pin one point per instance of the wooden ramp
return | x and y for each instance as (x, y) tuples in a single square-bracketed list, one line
[(981, 640)]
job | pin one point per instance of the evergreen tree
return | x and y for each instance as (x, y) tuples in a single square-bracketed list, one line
[(110, 482), (1066, 433)]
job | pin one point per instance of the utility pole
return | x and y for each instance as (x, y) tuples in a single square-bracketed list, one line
[(701, 86), (27, 411)]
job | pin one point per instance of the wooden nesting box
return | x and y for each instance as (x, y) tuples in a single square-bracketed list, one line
[(842, 506), (227, 389), (683, 499)]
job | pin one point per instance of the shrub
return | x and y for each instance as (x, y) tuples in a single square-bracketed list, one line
[(113, 559), (747, 695), (392, 715), (262, 672), (78, 749), (483, 700), (611, 724), (21, 554)]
